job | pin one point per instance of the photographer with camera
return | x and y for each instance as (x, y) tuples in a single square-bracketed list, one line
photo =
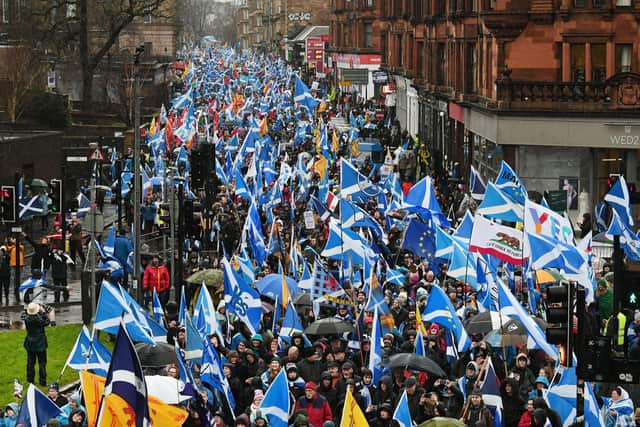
[(36, 317)]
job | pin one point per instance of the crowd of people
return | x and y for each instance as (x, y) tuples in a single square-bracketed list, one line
[(322, 371)]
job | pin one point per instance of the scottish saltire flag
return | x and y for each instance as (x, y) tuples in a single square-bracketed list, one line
[(477, 186), (491, 393), (253, 228), (444, 244), (352, 215), (32, 283), (204, 315), (32, 206), (306, 279), (84, 205), (440, 310), (302, 95), (628, 240), (375, 356), (125, 390), (376, 301), (158, 312), (422, 200), (392, 183), (242, 264), (183, 306), (547, 252), (419, 344), (498, 205), (509, 306), (240, 299), (320, 209), (111, 308), (291, 322), (241, 188), (182, 101), (395, 277), (89, 353), (487, 290), (36, 409), (618, 199), (402, 415), (109, 244), (510, 184), (592, 413), (464, 229), (355, 185), (276, 403), (461, 266), (211, 372), (562, 396), (193, 342), (344, 243), (418, 238), (601, 216)]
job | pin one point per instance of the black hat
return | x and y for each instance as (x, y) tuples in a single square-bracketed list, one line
[(54, 386), (325, 376)]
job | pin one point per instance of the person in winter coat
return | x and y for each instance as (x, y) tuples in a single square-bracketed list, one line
[(76, 419), (5, 275), (468, 381), (310, 368), (36, 318), (10, 415), (554, 418), (476, 411), (59, 273), (527, 417), (41, 253), (316, 406), (512, 404), (156, 277), (618, 410), (385, 393), (385, 417), (523, 375)]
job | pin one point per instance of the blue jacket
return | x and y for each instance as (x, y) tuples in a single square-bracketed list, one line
[(121, 249)]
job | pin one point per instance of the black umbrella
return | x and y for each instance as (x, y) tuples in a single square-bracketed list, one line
[(414, 362), (484, 322), (158, 356), (302, 300), (329, 326)]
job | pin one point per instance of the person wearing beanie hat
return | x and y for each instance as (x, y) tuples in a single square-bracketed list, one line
[(296, 382), (315, 405), (55, 396), (329, 424), (542, 383), (310, 367), (258, 396)]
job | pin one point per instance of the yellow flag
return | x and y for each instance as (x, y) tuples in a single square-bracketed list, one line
[(165, 415), (92, 387), (335, 142), (152, 127), (352, 415), (322, 107), (285, 292), (116, 412), (420, 323), (320, 166), (263, 127)]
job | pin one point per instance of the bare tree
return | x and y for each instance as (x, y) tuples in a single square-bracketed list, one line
[(198, 18), (24, 71)]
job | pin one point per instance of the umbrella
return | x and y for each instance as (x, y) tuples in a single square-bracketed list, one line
[(271, 286), (158, 356), (484, 322), (302, 300), (414, 362), (329, 326), (548, 275), (442, 422), (210, 277), (512, 333), (38, 183)]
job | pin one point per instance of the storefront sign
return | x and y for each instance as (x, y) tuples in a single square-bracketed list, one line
[(309, 221), (625, 138), (354, 59), (388, 88), (380, 77), (315, 54)]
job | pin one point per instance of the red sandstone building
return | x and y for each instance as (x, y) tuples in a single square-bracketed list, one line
[(550, 86)]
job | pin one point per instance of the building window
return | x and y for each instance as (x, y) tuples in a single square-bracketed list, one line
[(579, 3), (383, 47), (258, 21), (577, 62), (442, 59), (368, 3), (599, 4), (368, 35), (72, 11), (5, 11), (397, 8), (471, 68), (623, 58), (442, 6), (598, 62), (623, 3), (401, 52)]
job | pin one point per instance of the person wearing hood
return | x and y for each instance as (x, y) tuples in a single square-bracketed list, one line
[(296, 383), (523, 375), (542, 383), (76, 419), (512, 404), (618, 410), (476, 411), (67, 410), (554, 418), (605, 300), (10, 415), (467, 382), (539, 418), (385, 417)]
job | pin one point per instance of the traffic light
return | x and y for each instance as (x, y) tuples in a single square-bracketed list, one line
[(8, 198), (56, 195), (559, 314)]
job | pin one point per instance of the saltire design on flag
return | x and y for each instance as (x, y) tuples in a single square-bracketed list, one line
[(505, 243), (477, 187), (344, 243), (376, 301), (440, 310), (600, 215), (306, 279), (302, 96), (291, 322), (618, 199), (487, 290), (497, 205), (253, 228), (355, 185), (89, 353), (491, 393), (421, 199), (84, 205), (628, 240), (419, 343), (276, 403), (444, 244), (541, 220), (375, 355), (32, 206), (32, 283), (465, 227), (402, 415), (204, 315), (212, 373), (461, 266), (193, 342), (395, 277), (36, 409), (509, 182), (562, 396), (592, 414), (418, 238), (125, 392), (158, 311), (320, 209), (548, 252), (240, 299), (183, 306), (352, 215)]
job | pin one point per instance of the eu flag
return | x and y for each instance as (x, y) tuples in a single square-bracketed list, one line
[(419, 239)]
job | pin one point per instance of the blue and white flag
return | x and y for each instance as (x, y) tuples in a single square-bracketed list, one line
[(344, 243), (158, 312), (277, 403), (419, 343), (241, 299), (601, 216), (422, 199), (440, 310), (89, 353), (323, 212), (375, 355), (462, 266), (36, 409), (241, 188), (510, 184), (193, 349), (253, 229), (498, 205), (465, 227), (291, 322), (546, 252), (204, 315), (354, 184), (562, 396), (303, 96), (109, 244), (32, 283), (592, 414), (477, 187), (211, 372), (491, 393), (183, 306), (84, 205), (32, 206), (618, 199), (402, 415), (352, 215), (629, 242), (126, 380), (306, 279)]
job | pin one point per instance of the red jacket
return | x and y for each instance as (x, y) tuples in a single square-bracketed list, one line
[(156, 278), (318, 410)]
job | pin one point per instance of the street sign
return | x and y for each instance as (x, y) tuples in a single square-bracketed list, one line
[(97, 155), (76, 159), (16, 229)]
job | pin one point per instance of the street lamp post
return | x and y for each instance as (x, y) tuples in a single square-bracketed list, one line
[(137, 178)]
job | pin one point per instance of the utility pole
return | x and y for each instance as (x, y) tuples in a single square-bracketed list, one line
[(137, 178), (181, 220), (17, 231), (172, 230)]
